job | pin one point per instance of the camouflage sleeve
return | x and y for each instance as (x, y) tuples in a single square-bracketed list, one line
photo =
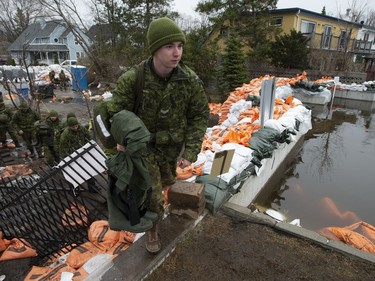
[(64, 146), (197, 121), (86, 133), (123, 96), (16, 121)]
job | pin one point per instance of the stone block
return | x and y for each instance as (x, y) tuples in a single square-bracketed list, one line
[(186, 194), (193, 213)]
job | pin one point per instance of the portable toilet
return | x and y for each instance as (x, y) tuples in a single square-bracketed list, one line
[(79, 77), (24, 92)]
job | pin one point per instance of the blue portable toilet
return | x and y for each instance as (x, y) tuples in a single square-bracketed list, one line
[(79, 77), (24, 92)]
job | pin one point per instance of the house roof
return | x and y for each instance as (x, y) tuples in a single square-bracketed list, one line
[(47, 47), (38, 30), (316, 15)]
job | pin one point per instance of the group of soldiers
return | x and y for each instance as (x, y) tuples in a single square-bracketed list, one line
[(49, 137)]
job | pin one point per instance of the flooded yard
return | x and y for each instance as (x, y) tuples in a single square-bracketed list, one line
[(331, 182)]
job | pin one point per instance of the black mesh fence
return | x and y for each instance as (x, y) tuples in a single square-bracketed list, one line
[(53, 208)]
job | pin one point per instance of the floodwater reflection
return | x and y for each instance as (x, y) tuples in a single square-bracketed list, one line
[(331, 182)]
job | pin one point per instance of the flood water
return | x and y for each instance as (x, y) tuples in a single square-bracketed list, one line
[(331, 182)]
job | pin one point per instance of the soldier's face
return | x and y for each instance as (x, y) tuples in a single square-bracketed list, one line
[(74, 128), (169, 55), (53, 118)]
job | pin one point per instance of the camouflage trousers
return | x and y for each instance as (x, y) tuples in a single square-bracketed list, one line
[(29, 138), (51, 154), (162, 173), (12, 133)]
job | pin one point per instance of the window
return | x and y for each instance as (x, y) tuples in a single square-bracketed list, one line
[(307, 27), (343, 40), (366, 36), (327, 37), (276, 21)]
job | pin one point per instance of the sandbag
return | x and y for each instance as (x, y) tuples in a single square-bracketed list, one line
[(102, 236), (81, 254), (18, 249)]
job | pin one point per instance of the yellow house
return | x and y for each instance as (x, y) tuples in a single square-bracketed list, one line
[(331, 39)]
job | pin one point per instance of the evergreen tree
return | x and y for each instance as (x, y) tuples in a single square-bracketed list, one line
[(198, 56), (250, 19), (232, 73), (136, 16), (290, 51)]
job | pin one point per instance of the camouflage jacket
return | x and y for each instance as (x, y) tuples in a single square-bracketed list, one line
[(71, 140), (55, 126), (175, 111), (7, 111), (25, 120)]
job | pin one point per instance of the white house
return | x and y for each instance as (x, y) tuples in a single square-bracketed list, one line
[(45, 41)]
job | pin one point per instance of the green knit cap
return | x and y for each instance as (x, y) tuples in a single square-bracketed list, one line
[(53, 113), (72, 121), (163, 31)]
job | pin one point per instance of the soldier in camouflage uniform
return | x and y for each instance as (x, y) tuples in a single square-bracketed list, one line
[(72, 138), (6, 116), (24, 120), (174, 109), (46, 132)]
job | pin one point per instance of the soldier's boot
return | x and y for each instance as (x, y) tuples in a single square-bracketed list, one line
[(32, 154), (17, 143), (153, 245)]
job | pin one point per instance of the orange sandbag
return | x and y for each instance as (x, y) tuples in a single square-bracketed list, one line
[(102, 236), (46, 273), (18, 249), (75, 215), (126, 236), (81, 254), (4, 243), (80, 275), (118, 248), (354, 239)]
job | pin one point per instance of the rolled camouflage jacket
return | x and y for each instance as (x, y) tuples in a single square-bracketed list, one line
[(174, 110)]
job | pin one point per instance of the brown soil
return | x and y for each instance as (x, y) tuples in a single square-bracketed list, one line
[(224, 247)]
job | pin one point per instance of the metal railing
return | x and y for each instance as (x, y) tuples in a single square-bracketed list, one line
[(50, 212)]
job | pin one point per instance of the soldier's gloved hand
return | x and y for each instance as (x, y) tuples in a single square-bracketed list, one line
[(183, 163), (120, 148)]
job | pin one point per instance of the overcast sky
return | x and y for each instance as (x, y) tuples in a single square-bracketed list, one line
[(332, 6)]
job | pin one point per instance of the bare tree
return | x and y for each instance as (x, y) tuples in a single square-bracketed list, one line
[(73, 16), (356, 11), (16, 15)]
